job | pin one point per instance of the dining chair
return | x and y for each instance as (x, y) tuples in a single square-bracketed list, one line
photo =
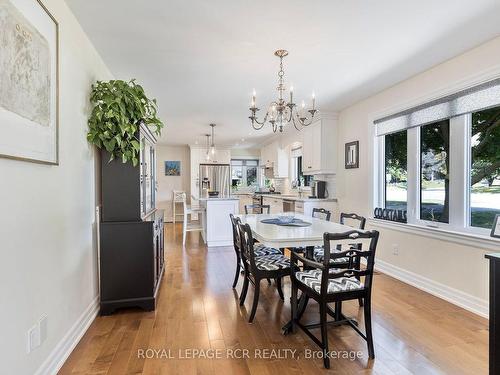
[(321, 213), (354, 220), (274, 266), (259, 249), (326, 284), (357, 222), (260, 207), (189, 225)]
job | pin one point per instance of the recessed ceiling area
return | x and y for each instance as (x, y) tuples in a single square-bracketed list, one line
[(201, 59)]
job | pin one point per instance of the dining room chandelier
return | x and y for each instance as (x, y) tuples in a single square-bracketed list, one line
[(280, 112)]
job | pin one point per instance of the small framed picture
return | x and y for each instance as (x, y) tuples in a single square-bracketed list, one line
[(352, 155), (495, 230), (172, 168)]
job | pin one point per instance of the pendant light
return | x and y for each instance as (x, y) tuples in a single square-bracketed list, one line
[(207, 154), (212, 146)]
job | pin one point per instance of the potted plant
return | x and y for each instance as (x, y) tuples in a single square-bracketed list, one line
[(119, 109)]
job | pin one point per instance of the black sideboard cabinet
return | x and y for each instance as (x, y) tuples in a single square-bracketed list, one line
[(131, 231)]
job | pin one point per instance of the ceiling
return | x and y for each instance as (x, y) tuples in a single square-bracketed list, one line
[(201, 59)]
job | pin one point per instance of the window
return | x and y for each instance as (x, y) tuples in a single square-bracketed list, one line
[(396, 174), (484, 195), (244, 173), (434, 172), (298, 178), (439, 163)]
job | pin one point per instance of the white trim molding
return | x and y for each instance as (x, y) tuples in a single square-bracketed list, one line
[(467, 301), (63, 349), (470, 239)]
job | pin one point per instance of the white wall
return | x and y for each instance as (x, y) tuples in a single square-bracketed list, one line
[(47, 226), (457, 269), (166, 184)]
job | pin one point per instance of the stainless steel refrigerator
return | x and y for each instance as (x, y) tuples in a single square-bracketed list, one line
[(215, 177)]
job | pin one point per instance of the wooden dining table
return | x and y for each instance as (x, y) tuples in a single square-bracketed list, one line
[(284, 236)]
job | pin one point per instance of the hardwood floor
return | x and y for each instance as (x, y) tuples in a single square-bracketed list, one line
[(414, 332)]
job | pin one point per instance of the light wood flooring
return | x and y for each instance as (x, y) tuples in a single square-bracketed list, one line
[(414, 332)]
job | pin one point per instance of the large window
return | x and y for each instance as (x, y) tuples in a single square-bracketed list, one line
[(440, 162), (434, 172), (396, 174), (485, 168), (244, 173)]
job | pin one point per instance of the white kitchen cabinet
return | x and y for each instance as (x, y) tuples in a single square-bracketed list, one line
[(306, 207), (319, 146), (276, 204), (245, 199), (275, 157)]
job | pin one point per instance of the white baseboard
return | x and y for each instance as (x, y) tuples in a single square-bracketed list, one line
[(469, 302), (64, 348)]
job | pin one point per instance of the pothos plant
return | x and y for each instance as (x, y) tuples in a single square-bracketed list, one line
[(119, 109)]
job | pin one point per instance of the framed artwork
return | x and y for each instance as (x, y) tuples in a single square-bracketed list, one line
[(172, 168), (495, 230), (352, 155), (29, 82)]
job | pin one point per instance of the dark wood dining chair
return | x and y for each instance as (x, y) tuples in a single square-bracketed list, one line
[(274, 266), (259, 249), (259, 207), (358, 221), (321, 213), (326, 284)]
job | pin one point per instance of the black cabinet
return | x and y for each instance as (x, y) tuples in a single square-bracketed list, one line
[(128, 192), (131, 263), (131, 255), (494, 313)]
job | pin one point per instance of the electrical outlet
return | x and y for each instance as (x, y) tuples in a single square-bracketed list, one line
[(33, 338), (395, 249)]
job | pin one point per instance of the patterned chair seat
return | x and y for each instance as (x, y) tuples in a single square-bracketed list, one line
[(262, 250), (319, 256), (312, 279), (272, 262)]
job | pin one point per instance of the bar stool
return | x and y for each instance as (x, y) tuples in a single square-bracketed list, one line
[(176, 198)]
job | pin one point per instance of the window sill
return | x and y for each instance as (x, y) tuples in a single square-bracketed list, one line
[(469, 239)]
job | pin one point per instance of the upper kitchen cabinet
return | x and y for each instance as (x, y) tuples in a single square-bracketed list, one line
[(275, 159), (319, 146)]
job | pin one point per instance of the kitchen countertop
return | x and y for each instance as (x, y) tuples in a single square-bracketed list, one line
[(290, 197), (218, 199), (300, 199)]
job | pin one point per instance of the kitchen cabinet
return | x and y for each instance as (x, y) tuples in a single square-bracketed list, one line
[(275, 203), (274, 157), (245, 199), (305, 207), (319, 146)]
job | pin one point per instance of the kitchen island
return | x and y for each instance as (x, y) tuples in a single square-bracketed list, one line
[(217, 228)]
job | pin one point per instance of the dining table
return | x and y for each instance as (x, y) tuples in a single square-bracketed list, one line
[(292, 236)]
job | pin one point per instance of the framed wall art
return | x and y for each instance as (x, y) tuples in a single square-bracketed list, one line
[(29, 82), (352, 155), (172, 168)]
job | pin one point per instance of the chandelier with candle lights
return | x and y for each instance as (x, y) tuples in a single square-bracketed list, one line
[(281, 113)]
